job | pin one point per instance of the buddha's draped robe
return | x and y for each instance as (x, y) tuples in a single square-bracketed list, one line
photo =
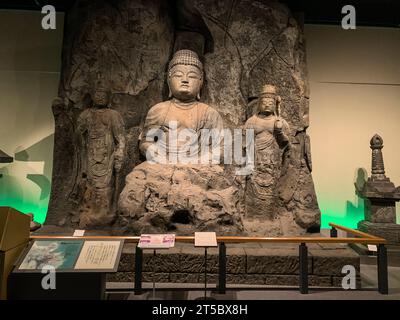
[(190, 125)]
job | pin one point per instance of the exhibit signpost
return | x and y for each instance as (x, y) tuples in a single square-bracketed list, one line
[(205, 240), (64, 269), (156, 241)]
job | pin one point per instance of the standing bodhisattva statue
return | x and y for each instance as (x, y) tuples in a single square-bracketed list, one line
[(100, 131), (271, 134)]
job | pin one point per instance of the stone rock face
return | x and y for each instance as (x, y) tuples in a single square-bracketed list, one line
[(244, 45), (127, 43), (180, 198), (257, 43)]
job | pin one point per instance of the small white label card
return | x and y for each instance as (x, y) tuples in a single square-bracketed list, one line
[(205, 239), (157, 241), (98, 255), (372, 247), (78, 233)]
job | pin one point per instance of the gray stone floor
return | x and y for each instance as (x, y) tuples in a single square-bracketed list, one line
[(181, 291), (245, 292)]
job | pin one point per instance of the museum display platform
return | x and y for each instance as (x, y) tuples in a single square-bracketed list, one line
[(275, 264), (271, 264)]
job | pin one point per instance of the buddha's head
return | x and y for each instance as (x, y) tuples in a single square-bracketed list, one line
[(268, 101), (101, 97), (185, 76)]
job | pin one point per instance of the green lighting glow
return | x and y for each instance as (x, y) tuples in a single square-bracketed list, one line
[(23, 195), (348, 216), (23, 189), (40, 212)]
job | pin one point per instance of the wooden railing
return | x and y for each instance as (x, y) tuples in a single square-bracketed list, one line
[(356, 232), (234, 239), (363, 238)]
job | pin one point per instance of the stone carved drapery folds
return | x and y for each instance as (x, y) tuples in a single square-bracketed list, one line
[(243, 44), (102, 149), (126, 42)]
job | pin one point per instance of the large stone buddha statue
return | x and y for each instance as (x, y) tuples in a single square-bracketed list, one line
[(181, 186), (173, 122)]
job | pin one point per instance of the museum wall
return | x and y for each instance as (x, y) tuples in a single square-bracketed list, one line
[(355, 92), (29, 75), (354, 79)]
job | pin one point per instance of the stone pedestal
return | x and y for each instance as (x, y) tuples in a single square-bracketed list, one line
[(388, 231), (251, 264), (180, 198)]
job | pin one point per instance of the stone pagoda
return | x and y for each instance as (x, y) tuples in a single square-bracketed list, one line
[(380, 196)]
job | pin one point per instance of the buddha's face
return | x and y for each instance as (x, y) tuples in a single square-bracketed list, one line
[(267, 103), (100, 98), (185, 82)]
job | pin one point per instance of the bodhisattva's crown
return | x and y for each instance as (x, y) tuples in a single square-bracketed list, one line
[(268, 89), (185, 57)]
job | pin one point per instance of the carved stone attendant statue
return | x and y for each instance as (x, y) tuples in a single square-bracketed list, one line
[(271, 134), (181, 186), (100, 131)]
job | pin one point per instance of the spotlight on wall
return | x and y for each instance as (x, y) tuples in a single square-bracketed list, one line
[(5, 158)]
